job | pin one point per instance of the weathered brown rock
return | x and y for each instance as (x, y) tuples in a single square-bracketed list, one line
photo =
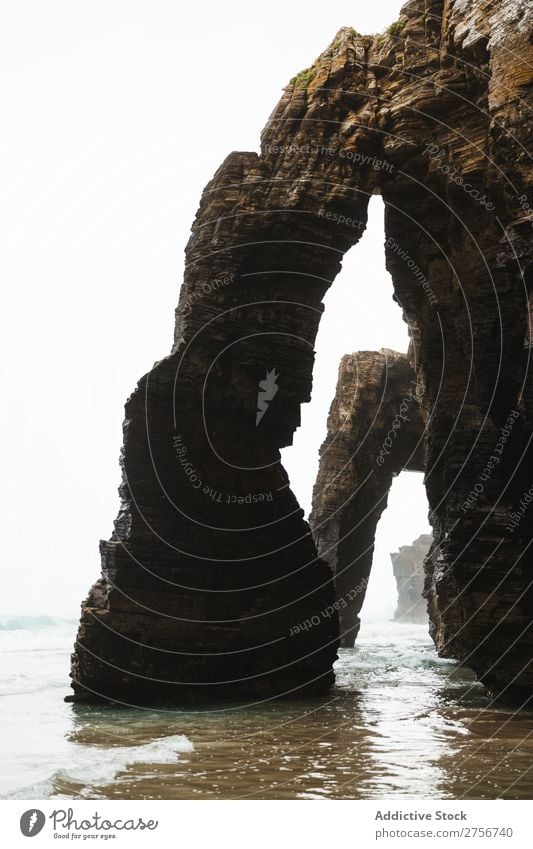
[(408, 568), (199, 595), (375, 430)]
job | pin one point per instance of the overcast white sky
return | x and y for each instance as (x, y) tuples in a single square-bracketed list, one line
[(114, 116)]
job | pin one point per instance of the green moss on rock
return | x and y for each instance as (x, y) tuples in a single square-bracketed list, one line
[(303, 79), (396, 28)]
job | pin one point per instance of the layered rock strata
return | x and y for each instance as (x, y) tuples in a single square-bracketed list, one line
[(408, 569), (376, 430), (211, 567)]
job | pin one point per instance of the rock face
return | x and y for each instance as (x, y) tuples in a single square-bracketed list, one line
[(375, 431), (211, 569), (408, 568)]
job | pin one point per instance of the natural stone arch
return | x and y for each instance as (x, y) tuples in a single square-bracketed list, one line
[(196, 600), (375, 431)]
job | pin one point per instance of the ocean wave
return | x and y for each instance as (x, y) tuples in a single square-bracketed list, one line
[(93, 766), (9, 622)]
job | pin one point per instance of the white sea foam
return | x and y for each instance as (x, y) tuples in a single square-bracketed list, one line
[(93, 766)]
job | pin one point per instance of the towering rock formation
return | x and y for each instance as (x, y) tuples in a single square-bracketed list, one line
[(211, 570), (408, 568)]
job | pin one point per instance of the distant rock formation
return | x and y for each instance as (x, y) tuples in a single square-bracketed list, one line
[(408, 568), (375, 430)]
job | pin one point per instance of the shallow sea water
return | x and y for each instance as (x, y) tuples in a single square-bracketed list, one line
[(400, 723)]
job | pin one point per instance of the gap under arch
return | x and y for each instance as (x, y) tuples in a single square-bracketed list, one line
[(404, 519), (359, 314)]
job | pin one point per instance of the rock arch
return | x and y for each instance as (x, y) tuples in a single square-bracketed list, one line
[(211, 567)]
